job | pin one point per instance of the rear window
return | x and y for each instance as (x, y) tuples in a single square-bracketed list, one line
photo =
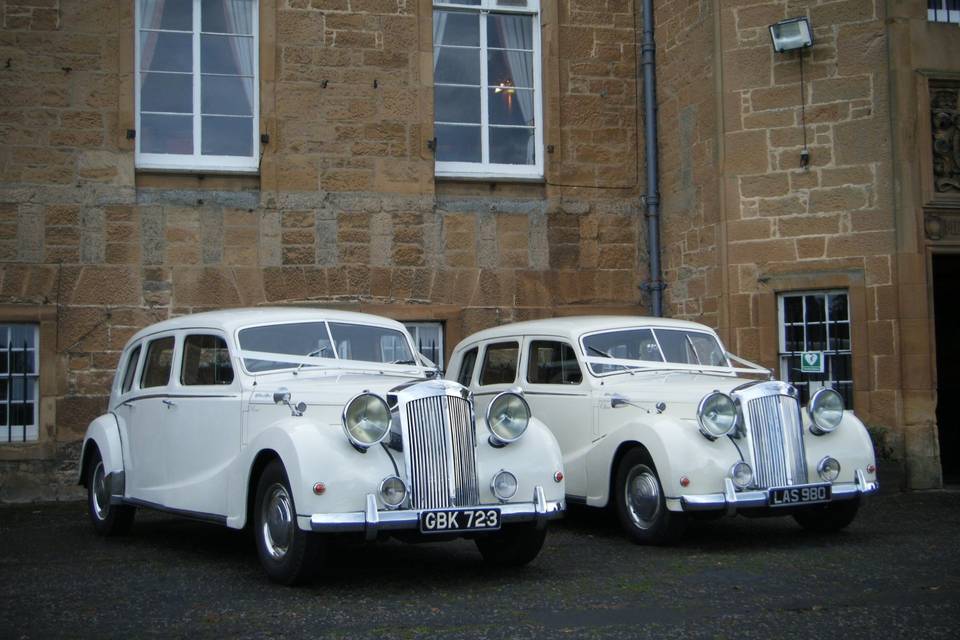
[(500, 363)]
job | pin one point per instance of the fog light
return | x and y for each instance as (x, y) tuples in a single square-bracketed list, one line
[(741, 474), (393, 492), (828, 469), (504, 485)]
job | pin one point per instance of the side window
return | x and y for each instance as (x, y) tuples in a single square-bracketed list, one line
[(466, 367), (131, 370), (206, 361), (500, 363), (156, 369), (552, 362)]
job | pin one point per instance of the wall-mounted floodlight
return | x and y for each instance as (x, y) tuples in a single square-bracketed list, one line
[(791, 34)]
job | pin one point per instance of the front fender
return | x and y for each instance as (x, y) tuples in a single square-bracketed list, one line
[(534, 459), (103, 434), (676, 446), (850, 444)]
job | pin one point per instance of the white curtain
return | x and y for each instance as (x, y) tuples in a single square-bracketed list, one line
[(238, 15)]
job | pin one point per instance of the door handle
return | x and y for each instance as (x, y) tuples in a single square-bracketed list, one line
[(169, 403)]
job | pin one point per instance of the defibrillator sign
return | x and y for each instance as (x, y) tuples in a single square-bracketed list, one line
[(811, 362)]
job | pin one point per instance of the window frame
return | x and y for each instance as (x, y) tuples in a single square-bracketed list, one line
[(197, 161), (485, 169), (943, 11), (28, 433), (829, 379)]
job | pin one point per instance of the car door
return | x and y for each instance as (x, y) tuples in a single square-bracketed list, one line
[(203, 430), (559, 395), (143, 411)]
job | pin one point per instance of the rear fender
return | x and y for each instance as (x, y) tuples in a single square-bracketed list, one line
[(103, 436)]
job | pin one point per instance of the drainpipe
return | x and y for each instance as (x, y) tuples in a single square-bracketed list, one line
[(652, 198)]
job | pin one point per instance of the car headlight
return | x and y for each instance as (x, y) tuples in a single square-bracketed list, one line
[(826, 411), (366, 420), (507, 417), (717, 415), (504, 485)]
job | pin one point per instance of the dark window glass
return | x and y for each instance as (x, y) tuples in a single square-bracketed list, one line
[(500, 363), (466, 367), (156, 370), (131, 370), (206, 361), (552, 363)]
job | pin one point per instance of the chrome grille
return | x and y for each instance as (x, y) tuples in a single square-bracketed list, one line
[(442, 448), (776, 441)]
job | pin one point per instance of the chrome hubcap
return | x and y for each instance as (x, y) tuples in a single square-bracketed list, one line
[(99, 494), (278, 521), (642, 496)]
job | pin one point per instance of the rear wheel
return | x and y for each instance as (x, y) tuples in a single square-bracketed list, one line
[(640, 502), (288, 554), (512, 546), (108, 519), (828, 518)]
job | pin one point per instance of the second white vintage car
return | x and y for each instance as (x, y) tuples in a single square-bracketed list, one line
[(655, 417), (304, 423)]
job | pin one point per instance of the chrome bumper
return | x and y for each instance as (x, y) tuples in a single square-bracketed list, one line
[(372, 520), (731, 499)]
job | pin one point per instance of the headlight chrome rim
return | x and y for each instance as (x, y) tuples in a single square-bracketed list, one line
[(383, 492), (360, 444), (498, 438), (740, 466), (493, 485), (817, 427), (701, 422), (825, 473)]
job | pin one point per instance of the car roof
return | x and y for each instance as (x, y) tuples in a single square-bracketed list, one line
[(573, 327), (229, 320)]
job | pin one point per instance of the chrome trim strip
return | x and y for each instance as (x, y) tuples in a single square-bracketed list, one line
[(183, 513), (373, 521)]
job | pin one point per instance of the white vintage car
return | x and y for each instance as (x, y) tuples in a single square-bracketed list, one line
[(655, 416), (308, 422)]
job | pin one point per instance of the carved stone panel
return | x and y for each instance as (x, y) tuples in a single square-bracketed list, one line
[(945, 125), (942, 226)]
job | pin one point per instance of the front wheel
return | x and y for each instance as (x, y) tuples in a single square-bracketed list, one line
[(288, 554), (108, 519), (640, 502), (512, 546), (829, 517)]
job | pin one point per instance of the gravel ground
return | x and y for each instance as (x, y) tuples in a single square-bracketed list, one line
[(894, 573)]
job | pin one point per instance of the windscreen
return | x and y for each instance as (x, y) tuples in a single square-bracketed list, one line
[(653, 345)]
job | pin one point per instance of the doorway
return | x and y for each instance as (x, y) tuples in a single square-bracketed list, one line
[(946, 304)]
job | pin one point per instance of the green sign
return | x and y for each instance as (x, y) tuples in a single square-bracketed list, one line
[(811, 362)]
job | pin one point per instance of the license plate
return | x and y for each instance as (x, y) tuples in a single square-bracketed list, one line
[(791, 496), (457, 520)]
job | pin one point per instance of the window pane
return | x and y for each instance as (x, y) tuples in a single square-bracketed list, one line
[(456, 66), (21, 362), (793, 309), (359, 342), (227, 136), (130, 371), (232, 55), (815, 308), (509, 31), (839, 367), (510, 68), (456, 104), (512, 146), (206, 361), (466, 368), (457, 28), (816, 337), (794, 338), (839, 336), (166, 14), (511, 106), (166, 51), (838, 307), (630, 344), (458, 144), (3, 415), (156, 369), (17, 388), (227, 16), (3, 389), (227, 95), (166, 134), (21, 334), (500, 363), (299, 339), (3, 361), (552, 363), (21, 414), (166, 92)]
